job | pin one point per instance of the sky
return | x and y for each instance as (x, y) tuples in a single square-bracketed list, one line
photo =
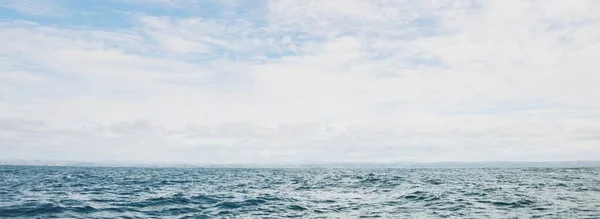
[(282, 81)]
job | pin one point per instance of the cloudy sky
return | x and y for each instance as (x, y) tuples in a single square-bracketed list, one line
[(277, 81)]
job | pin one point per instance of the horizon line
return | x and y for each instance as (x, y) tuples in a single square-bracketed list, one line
[(366, 164)]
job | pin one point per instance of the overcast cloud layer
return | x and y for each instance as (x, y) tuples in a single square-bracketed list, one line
[(299, 81)]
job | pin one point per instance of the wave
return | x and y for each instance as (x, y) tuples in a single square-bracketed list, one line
[(47, 192)]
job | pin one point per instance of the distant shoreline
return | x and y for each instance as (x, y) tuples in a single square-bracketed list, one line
[(398, 165)]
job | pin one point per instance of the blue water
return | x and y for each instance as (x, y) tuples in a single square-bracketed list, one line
[(95, 192)]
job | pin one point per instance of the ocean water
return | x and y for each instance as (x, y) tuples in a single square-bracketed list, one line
[(95, 192)]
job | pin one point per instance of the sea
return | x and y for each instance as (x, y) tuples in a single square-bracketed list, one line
[(120, 192)]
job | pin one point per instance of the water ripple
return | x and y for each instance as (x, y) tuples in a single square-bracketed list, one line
[(285, 193)]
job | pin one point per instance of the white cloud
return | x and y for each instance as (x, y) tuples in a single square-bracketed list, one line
[(333, 81)]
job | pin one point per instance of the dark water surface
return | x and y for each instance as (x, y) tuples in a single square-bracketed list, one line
[(94, 192)]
